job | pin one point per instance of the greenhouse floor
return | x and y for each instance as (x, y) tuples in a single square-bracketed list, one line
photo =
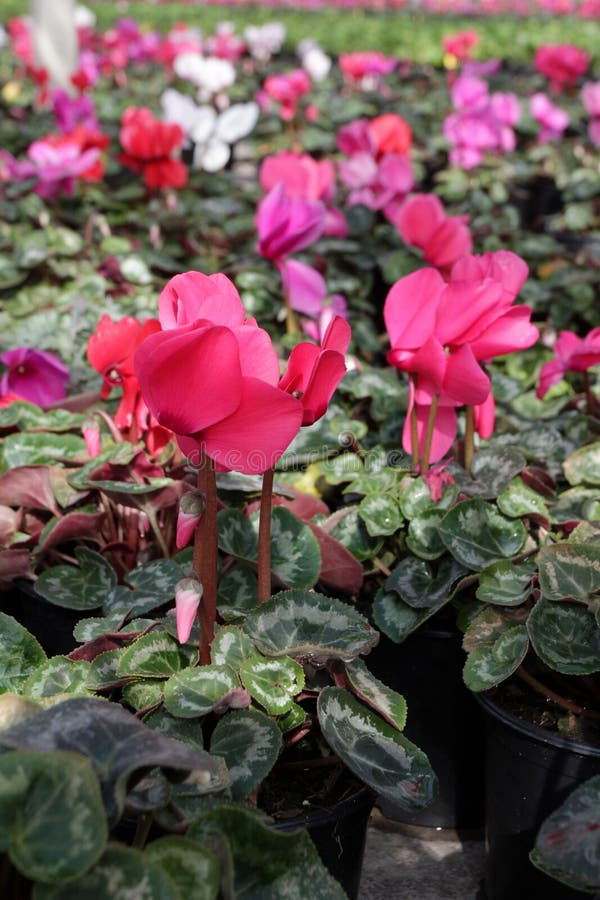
[(404, 862)]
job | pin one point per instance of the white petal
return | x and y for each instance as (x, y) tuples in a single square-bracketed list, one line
[(204, 124), (237, 122), (211, 156)]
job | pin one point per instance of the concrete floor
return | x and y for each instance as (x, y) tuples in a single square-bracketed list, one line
[(403, 862)]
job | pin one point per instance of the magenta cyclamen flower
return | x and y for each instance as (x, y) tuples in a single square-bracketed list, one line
[(34, 375), (571, 354), (552, 119), (286, 225)]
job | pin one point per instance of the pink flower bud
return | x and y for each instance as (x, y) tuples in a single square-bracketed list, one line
[(191, 507), (188, 593)]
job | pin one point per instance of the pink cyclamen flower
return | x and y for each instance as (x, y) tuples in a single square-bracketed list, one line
[(188, 594), (441, 331), (313, 373), (366, 68), (34, 375), (286, 225), (460, 44), (552, 119), (285, 89), (211, 376), (571, 354), (302, 175), (562, 64), (423, 222)]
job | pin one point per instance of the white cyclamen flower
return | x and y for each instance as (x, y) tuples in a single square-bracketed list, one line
[(209, 73), (264, 40)]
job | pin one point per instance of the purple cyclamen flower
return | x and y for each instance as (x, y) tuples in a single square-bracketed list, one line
[(34, 375), (72, 111)]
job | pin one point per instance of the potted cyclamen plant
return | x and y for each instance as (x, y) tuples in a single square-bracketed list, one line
[(280, 683)]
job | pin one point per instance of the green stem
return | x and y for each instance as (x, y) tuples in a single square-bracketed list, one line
[(264, 537), (205, 557), (142, 830), (469, 437), (429, 433)]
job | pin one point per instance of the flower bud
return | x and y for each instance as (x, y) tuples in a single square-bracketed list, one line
[(188, 593), (191, 507)]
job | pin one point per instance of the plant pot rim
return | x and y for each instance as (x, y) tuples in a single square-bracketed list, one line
[(317, 815), (536, 732)]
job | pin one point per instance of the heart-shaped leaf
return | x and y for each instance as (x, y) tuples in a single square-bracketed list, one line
[(193, 870), (476, 534), (416, 583), (565, 636), (85, 586), (118, 745), (25, 449), (231, 647), (238, 593), (583, 466), (196, 691), (273, 682), (568, 843), (492, 469), (58, 675), (520, 500), (153, 655), (375, 751), (488, 666), (52, 822), (506, 583), (569, 570), (20, 655), (381, 514), (250, 743), (309, 625)]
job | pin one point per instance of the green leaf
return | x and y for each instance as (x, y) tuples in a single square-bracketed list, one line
[(196, 691), (488, 666), (477, 534), (376, 752), (20, 655), (565, 636), (273, 682), (250, 743), (118, 746), (295, 554), (78, 587), (416, 583), (24, 449), (352, 532), (381, 514), (143, 694), (506, 583), (152, 585), (133, 874), (58, 675), (583, 466), (387, 702), (396, 618), (569, 570), (231, 647), (193, 870), (309, 625), (52, 822), (268, 865), (492, 469), (567, 846), (153, 655), (237, 593), (520, 500), (415, 497), (423, 537)]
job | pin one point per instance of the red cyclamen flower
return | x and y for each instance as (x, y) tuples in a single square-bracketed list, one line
[(150, 146)]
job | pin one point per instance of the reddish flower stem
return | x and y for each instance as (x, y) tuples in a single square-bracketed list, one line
[(264, 537), (205, 557), (429, 433), (414, 433), (569, 705)]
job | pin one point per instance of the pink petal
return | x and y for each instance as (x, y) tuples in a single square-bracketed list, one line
[(304, 286), (444, 431), (188, 593), (410, 308), (419, 217), (484, 415), (190, 377), (192, 296), (326, 376), (512, 331), (465, 380), (466, 308), (259, 431), (301, 363), (338, 334)]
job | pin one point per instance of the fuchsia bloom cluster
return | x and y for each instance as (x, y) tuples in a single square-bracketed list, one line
[(442, 331), (562, 64), (482, 122), (377, 171), (571, 354), (284, 91), (551, 118), (211, 375), (423, 222)]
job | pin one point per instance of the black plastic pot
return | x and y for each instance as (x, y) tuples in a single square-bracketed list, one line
[(339, 833), (443, 720), (51, 625), (530, 771)]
